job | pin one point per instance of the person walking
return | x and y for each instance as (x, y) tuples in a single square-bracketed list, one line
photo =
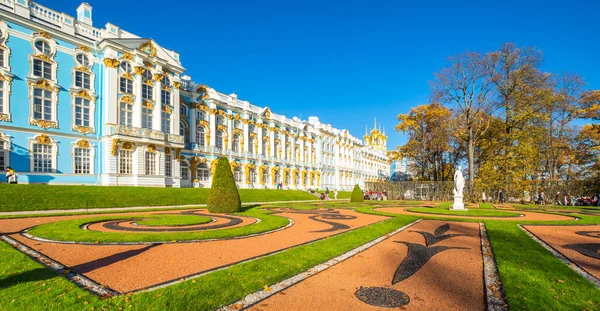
[(335, 194), (501, 196), (326, 193)]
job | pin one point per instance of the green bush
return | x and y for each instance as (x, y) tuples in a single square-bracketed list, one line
[(223, 196), (357, 195)]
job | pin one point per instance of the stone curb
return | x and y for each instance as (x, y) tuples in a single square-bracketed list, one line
[(562, 257), (55, 266), (258, 296), (495, 298)]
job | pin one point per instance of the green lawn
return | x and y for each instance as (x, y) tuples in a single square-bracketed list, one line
[(70, 230), (341, 194), (470, 212), (47, 197), (533, 279), (174, 220)]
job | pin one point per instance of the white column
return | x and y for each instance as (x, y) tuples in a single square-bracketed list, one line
[(246, 141), (260, 139), (213, 128), (192, 124), (175, 115), (273, 152), (137, 107), (110, 102)]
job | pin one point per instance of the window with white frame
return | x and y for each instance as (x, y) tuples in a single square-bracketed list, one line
[(252, 175), (183, 109), (147, 117), (297, 179), (166, 122), (150, 163), (203, 172), (82, 79), (220, 120), (220, 143), (165, 97), (251, 142), (43, 158), (147, 86), (82, 111), (185, 171), (237, 124), (2, 57), (42, 104), (183, 131), (265, 147), (251, 128), (201, 136), (237, 139), (42, 69), (265, 176), (82, 160), (3, 155), (126, 85), (83, 60), (126, 114), (200, 115), (125, 159), (42, 47), (168, 165), (237, 175)]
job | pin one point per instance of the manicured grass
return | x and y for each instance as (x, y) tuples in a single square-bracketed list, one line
[(46, 197), (174, 220), (470, 212), (341, 194), (69, 230), (486, 206), (27, 285), (533, 278)]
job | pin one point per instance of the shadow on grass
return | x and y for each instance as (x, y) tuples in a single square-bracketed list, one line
[(38, 274), (247, 207)]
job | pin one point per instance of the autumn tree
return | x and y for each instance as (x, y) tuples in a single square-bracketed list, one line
[(432, 145), (464, 84)]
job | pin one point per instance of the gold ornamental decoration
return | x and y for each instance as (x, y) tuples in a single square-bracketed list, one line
[(203, 91), (177, 85), (148, 104), (202, 123), (127, 56), (111, 62), (43, 139), (139, 70), (127, 99), (83, 143), (148, 48), (267, 113), (115, 143), (213, 166), (44, 123), (84, 48), (83, 94), (127, 145), (177, 154), (158, 77), (151, 148), (83, 129), (44, 84), (167, 151), (44, 34)]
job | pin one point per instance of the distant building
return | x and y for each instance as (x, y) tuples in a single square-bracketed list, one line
[(102, 106), (400, 170)]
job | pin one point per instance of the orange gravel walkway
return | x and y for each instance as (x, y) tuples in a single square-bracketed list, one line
[(126, 268), (569, 239), (451, 280), (528, 215)]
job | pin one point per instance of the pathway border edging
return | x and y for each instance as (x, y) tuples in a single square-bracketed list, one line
[(256, 297), (562, 257), (53, 265), (495, 299)]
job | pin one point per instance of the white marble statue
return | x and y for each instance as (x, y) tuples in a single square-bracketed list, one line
[(459, 186)]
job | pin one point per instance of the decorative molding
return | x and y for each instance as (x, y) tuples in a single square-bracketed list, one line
[(148, 48), (111, 62), (44, 123), (139, 70), (44, 84), (158, 77), (177, 85), (127, 99), (83, 143), (151, 148), (83, 129), (83, 94), (113, 150), (43, 139)]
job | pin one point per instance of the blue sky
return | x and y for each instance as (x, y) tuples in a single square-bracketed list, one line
[(349, 61)]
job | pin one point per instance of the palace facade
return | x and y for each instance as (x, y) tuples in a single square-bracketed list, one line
[(102, 106)]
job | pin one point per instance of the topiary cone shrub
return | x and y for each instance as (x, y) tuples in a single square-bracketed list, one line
[(223, 196), (357, 195)]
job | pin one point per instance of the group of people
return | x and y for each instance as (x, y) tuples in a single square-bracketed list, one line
[(325, 195), (377, 195), (11, 176)]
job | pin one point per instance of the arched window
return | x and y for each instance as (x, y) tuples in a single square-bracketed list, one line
[(253, 175), (220, 120), (297, 181), (278, 149), (277, 177), (203, 172), (183, 131), (265, 176), (185, 171), (183, 109), (251, 142), (82, 60), (265, 147), (201, 136), (220, 143), (237, 146), (237, 124), (200, 115), (147, 86), (126, 79), (43, 47), (251, 128)]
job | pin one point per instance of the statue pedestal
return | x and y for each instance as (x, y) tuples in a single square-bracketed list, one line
[(458, 204)]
